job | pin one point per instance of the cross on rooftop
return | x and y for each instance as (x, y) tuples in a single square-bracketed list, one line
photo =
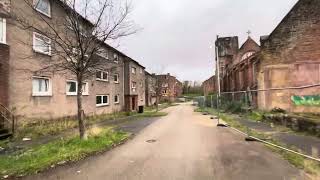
[(249, 32)]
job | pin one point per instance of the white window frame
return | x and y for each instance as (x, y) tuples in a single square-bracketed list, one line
[(39, 10), (49, 93), (99, 79), (4, 33), (133, 70), (36, 49), (84, 93), (117, 82), (115, 57), (104, 54), (103, 104), (118, 97), (134, 86)]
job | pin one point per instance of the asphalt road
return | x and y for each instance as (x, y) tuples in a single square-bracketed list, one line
[(184, 145)]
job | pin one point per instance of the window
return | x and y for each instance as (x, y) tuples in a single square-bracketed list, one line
[(102, 100), (102, 76), (141, 70), (165, 85), (3, 33), (116, 99), (247, 55), (134, 86), (115, 58), (41, 44), (133, 70), (116, 78), (41, 86), (43, 6), (141, 84), (103, 53), (72, 88)]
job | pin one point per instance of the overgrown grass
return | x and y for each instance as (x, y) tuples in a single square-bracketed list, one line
[(73, 149), (39, 128), (310, 166)]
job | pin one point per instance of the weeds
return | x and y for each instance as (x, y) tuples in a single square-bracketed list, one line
[(72, 149)]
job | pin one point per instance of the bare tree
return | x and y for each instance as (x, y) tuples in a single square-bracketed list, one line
[(76, 36)]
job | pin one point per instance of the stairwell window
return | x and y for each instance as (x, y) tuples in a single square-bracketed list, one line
[(134, 86), (117, 99), (3, 33), (43, 6), (41, 44), (116, 78), (41, 86), (102, 100)]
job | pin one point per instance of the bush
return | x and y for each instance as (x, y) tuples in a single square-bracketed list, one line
[(234, 107)]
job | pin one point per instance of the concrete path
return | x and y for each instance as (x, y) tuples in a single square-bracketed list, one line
[(307, 144), (183, 146)]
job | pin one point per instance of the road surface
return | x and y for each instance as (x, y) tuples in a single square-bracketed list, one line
[(183, 146)]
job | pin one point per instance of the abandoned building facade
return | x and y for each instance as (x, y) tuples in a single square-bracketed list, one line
[(169, 88), (284, 71), (209, 86), (29, 93)]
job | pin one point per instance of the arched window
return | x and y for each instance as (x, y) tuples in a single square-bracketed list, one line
[(247, 55)]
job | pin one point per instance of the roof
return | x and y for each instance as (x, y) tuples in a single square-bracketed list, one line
[(284, 19), (249, 40)]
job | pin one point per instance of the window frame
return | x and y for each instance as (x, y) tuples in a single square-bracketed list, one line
[(4, 29), (118, 98), (104, 54), (133, 70), (35, 48), (116, 58), (103, 104), (101, 73), (42, 94), (84, 93), (116, 81), (133, 86), (40, 11)]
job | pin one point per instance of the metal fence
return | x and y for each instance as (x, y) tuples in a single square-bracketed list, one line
[(295, 99)]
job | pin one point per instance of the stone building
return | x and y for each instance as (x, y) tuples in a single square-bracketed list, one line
[(290, 57), (209, 86), (239, 67), (49, 95), (151, 89), (169, 88), (134, 89)]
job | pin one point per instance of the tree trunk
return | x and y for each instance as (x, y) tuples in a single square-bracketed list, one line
[(82, 127)]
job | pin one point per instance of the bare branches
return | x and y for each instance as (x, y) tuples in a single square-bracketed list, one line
[(75, 38)]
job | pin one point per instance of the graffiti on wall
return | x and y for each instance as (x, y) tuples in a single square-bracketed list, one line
[(312, 100)]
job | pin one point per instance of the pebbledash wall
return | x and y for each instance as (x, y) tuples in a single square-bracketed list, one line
[(19, 61), (290, 57)]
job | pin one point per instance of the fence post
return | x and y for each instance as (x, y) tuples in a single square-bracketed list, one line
[(211, 101)]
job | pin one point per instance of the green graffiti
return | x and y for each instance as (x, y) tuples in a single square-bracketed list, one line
[(313, 100)]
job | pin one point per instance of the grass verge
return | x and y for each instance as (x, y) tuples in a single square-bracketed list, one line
[(64, 150), (309, 166)]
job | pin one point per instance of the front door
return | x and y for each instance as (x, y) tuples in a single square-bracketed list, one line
[(133, 103)]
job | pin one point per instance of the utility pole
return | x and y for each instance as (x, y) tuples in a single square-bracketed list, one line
[(218, 77)]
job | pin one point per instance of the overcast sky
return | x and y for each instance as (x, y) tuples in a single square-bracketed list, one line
[(177, 34)]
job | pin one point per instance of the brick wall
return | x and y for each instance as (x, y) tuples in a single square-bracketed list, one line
[(209, 86), (4, 73), (291, 57)]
